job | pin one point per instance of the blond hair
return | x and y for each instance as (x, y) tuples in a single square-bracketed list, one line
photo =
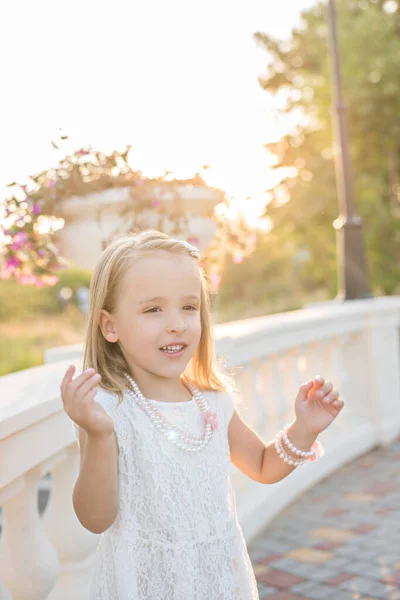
[(106, 357)]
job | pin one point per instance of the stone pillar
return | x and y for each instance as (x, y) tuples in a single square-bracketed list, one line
[(75, 545), (29, 564)]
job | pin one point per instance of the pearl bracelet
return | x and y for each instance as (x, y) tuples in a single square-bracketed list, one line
[(284, 456), (293, 449), (316, 451)]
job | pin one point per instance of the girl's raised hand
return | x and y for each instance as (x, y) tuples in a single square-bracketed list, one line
[(317, 405), (78, 399)]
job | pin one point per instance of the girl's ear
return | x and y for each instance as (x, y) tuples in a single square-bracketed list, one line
[(107, 327)]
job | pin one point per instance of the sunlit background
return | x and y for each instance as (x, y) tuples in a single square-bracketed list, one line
[(178, 80), (179, 83)]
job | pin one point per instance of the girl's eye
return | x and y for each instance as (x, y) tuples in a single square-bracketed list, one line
[(155, 309)]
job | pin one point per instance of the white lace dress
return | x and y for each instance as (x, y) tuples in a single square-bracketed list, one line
[(177, 536)]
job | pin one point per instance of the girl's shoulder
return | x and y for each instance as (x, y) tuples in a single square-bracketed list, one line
[(219, 396), (222, 401)]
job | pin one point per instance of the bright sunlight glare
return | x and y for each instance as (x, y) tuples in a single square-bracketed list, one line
[(175, 79)]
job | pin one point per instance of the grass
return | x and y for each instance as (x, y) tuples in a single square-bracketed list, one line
[(24, 341), (33, 320)]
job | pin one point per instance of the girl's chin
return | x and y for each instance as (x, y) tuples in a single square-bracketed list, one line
[(175, 365)]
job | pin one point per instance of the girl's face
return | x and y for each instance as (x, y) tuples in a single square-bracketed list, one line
[(157, 314)]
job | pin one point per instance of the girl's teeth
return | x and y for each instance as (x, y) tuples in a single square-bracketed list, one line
[(172, 348)]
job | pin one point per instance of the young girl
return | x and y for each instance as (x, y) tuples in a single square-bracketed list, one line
[(158, 432)]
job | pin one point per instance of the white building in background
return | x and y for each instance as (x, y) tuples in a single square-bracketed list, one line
[(91, 220)]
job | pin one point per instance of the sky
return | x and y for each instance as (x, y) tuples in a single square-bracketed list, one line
[(176, 79)]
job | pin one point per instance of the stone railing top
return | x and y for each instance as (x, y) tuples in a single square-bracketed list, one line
[(321, 313), (29, 396)]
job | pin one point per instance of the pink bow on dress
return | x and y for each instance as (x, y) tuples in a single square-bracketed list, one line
[(211, 418)]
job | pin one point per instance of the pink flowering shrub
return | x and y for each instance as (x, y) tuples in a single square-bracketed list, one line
[(27, 253), (27, 250)]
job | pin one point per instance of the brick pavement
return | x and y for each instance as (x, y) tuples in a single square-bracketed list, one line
[(340, 540)]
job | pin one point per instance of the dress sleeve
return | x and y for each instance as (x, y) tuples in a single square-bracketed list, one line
[(227, 406)]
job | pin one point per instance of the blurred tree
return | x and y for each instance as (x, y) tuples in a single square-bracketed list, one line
[(304, 205)]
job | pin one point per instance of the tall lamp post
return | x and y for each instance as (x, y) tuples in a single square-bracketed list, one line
[(352, 269)]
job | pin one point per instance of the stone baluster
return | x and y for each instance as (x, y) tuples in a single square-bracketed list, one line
[(277, 405), (327, 350), (295, 377), (287, 378), (29, 564), (327, 360), (383, 374), (263, 395), (341, 360), (337, 361), (317, 360), (256, 390), (245, 384), (75, 545)]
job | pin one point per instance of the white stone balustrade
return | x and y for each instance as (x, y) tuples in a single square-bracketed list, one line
[(355, 344)]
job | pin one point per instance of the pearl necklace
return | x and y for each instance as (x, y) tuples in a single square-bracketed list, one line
[(176, 436)]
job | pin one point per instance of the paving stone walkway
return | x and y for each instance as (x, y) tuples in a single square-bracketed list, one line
[(341, 540)]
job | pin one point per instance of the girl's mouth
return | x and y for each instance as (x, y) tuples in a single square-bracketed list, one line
[(173, 350)]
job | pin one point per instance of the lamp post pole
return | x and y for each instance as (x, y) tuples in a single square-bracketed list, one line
[(352, 269)]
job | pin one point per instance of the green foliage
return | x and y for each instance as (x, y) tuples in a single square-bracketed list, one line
[(74, 278), (32, 319), (18, 354), (25, 340), (273, 278), (298, 68), (19, 301)]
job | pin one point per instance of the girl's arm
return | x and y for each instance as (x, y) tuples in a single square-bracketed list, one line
[(96, 492), (257, 459), (316, 406)]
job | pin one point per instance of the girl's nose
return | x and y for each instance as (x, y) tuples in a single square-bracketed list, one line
[(177, 326)]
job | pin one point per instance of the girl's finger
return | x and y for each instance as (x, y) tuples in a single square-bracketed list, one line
[(338, 404), (67, 378), (305, 388), (88, 386), (318, 383), (89, 396), (79, 381), (333, 395), (325, 389)]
